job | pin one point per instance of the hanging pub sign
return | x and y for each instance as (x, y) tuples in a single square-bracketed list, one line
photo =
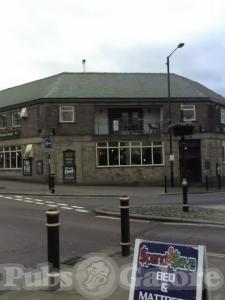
[(167, 272)]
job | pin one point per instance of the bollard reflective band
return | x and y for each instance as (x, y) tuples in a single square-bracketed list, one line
[(52, 224), (124, 198), (125, 244), (52, 212), (125, 206)]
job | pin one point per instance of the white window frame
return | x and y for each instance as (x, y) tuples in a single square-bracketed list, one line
[(8, 150), (66, 108), (129, 146), (222, 115), (189, 107), (13, 119)]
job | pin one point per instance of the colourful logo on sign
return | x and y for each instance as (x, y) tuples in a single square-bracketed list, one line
[(171, 258)]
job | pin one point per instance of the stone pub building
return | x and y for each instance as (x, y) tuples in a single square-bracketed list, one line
[(109, 128)]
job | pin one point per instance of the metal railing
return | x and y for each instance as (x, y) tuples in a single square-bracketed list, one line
[(128, 126), (141, 126)]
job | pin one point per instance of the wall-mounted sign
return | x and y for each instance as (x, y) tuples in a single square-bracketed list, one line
[(69, 174), (27, 166), (48, 144), (171, 157), (69, 158), (9, 134), (39, 167), (167, 271)]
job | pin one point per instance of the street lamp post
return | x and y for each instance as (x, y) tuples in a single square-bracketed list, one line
[(180, 45)]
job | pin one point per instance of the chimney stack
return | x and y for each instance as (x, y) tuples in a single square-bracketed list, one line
[(83, 64)]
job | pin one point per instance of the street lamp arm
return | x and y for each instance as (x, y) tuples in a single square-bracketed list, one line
[(168, 57), (180, 45)]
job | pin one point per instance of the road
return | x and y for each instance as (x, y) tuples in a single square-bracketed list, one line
[(23, 230)]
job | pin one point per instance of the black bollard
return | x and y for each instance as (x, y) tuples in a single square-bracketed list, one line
[(53, 248), (49, 172), (165, 184), (219, 181), (207, 183), (53, 183), (125, 226), (185, 197), (49, 182)]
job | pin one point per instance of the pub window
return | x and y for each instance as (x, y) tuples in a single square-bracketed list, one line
[(3, 121), (188, 112), (124, 154), (10, 157), (66, 114), (16, 120)]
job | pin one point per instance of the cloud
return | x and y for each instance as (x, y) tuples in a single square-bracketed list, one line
[(41, 38)]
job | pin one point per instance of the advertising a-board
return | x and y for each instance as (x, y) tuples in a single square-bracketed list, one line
[(164, 271)]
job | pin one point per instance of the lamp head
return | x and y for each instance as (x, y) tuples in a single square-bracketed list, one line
[(180, 45)]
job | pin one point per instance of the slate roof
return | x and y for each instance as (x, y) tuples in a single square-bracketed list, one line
[(107, 86)]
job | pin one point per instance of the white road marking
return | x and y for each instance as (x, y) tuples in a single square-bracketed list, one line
[(51, 205), (107, 217), (66, 207), (219, 255), (81, 210), (74, 206), (48, 203), (118, 219)]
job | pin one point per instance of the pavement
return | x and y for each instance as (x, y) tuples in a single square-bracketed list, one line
[(169, 213), (33, 188), (120, 271)]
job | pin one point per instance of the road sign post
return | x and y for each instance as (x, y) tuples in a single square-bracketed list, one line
[(48, 149)]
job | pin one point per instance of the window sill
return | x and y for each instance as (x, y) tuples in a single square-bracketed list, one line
[(66, 122), (130, 166)]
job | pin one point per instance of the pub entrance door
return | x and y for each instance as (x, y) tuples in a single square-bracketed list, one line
[(190, 160)]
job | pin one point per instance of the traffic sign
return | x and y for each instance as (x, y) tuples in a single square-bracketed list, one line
[(48, 143)]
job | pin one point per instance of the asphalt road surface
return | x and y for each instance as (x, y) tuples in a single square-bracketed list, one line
[(23, 230)]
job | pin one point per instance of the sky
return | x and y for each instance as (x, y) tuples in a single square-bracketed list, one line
[(46, 37)]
